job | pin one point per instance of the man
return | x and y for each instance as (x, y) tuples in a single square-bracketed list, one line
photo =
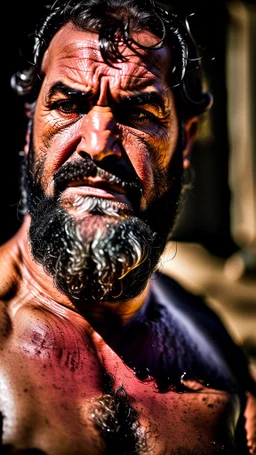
[(100, 353)]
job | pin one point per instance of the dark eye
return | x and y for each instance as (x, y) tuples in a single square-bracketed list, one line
[(66, 106), (140, 117), (69, 106)]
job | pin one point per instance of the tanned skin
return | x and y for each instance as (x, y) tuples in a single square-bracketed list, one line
[(55, 362)]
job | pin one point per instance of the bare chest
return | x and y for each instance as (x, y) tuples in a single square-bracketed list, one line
[(65, 391)]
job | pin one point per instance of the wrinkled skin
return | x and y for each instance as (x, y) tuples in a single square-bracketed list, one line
[(124, 120), (99, 133), (54, 358)]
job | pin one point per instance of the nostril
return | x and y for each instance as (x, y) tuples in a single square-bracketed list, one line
[(110, 163), (106, 151), (110, 159), (85, 155)]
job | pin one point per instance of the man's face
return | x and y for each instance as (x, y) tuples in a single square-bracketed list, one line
[(103, 166)]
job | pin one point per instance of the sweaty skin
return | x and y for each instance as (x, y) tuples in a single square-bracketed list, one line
[(73, 59), (53, 362), (52, 371)]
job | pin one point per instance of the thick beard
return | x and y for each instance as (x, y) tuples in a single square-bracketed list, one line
[(92, 267), (102, 255)]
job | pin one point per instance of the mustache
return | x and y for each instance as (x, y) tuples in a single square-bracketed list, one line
[(77, 171)]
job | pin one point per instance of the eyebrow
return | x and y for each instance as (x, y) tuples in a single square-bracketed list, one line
[(153, 98), (59, 87)]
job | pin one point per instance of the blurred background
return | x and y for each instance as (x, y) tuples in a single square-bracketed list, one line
[(214, 251), (214, 248)]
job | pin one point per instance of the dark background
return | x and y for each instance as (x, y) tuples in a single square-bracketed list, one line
[(206, 217)]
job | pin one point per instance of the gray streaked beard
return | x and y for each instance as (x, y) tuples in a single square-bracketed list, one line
[(96, 256), (106, 253)]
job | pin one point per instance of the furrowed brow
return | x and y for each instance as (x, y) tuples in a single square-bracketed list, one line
[(60, 88), (151, 98)]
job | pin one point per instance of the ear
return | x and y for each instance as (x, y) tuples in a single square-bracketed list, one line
[(190, 132)]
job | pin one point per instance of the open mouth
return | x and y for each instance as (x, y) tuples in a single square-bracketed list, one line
[(98, 183), (98, 188)]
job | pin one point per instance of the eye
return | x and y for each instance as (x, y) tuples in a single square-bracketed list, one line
[(69, 106), (140, 117)]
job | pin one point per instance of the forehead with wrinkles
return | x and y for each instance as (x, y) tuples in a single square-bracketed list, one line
[(75, 54)]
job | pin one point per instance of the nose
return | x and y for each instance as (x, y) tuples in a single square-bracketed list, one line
[(98, 134)]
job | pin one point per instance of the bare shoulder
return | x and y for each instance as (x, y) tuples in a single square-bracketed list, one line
[(234, 363)]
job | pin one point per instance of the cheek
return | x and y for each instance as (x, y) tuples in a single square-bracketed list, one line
[(137, 151), (149, 156), (53, 145)]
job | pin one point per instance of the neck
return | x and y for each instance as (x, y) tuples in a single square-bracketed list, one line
[(33, 282)]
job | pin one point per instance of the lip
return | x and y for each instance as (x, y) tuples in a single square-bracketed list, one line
[(96, 191)]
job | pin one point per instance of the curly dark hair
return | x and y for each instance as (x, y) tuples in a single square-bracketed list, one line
[(112, 18)]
